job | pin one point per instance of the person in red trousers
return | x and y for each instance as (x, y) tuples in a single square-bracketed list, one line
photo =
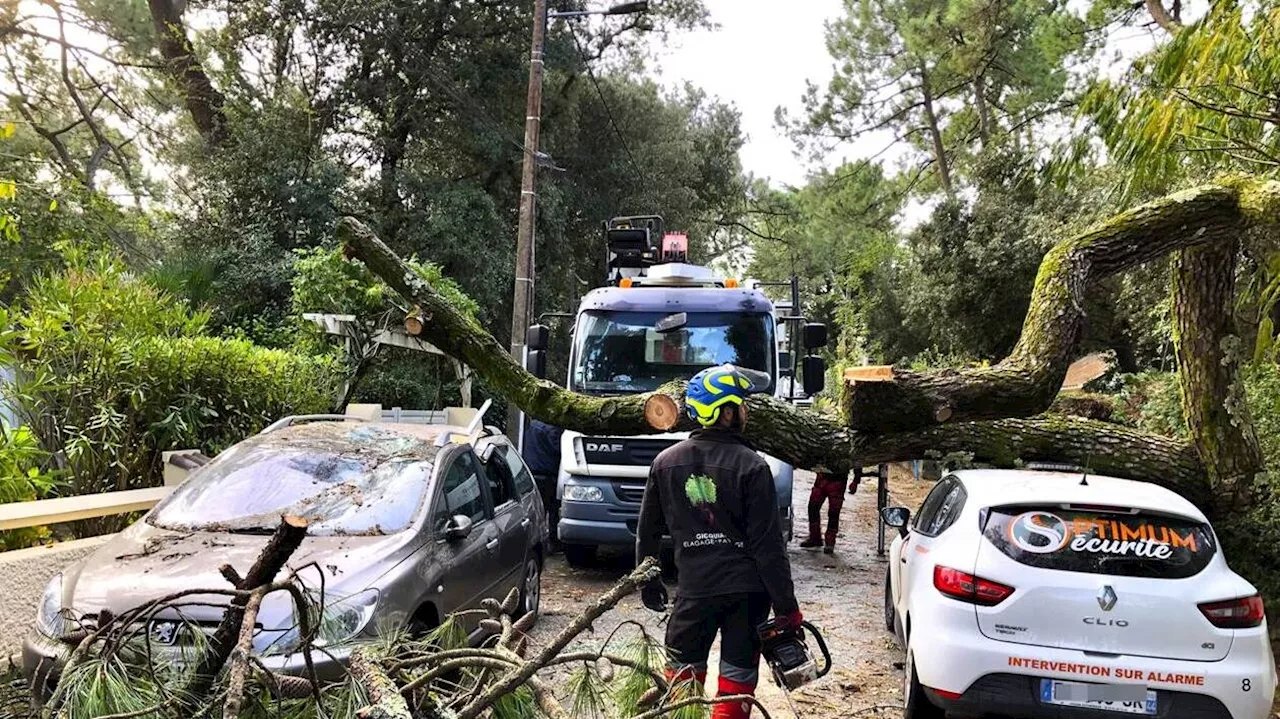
[(827, 487)]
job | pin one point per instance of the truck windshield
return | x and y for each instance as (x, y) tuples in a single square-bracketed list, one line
[(618, 352)]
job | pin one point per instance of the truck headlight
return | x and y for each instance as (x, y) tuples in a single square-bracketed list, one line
[(580, 493), (49, 618), (342, 620)]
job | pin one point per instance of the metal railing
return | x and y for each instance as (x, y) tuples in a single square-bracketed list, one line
[(86, 506)]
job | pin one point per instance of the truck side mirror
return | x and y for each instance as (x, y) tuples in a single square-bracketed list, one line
[(815, 335), (815, 374), (784, 362), (536, 363), (537, 337)]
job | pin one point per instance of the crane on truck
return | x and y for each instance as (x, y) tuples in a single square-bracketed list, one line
[(658, 318)]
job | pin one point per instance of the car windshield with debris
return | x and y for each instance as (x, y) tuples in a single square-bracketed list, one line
[(343, 478)]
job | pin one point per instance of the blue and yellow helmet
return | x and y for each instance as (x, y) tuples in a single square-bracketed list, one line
[(715, 387)]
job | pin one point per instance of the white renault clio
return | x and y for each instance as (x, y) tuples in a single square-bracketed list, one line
[(1052, 594)]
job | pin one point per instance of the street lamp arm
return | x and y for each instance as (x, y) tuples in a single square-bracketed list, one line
[(626, 8), (629, 8)]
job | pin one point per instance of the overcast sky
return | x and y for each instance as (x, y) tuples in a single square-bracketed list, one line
[(758, 59)]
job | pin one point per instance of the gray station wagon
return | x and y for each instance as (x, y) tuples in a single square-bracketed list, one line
[(406, 524)]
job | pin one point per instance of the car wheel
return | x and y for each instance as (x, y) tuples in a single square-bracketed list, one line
[(915, 704), (890, 621), (531, 587), (579, 555)]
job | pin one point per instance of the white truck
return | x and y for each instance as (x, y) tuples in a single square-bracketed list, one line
[(658, 319)]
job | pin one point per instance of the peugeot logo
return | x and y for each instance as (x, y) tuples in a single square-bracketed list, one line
[(1107, 598), (164, 633)]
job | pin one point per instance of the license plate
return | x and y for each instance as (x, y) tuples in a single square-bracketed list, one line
[(1124, 699)]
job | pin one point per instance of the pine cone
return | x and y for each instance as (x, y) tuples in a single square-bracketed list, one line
[(650, 697), (74, 637), (290, 687), (509, 604), (525, 623), (491, 626), (605, 668), (491, 606)]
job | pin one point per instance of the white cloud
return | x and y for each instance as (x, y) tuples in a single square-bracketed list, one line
[(758, 58)]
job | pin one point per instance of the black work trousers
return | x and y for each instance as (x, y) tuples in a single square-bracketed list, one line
[(693, 627)]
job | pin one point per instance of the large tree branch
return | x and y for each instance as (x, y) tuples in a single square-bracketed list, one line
[(1162, 16), (801, 437), (1026, 381), (1102, 447), (203, 100)]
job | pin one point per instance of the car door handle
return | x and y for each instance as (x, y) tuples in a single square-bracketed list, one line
[(491, 545), (524, 523)]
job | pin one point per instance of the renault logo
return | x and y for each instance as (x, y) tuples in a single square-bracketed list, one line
[(1107, 598)]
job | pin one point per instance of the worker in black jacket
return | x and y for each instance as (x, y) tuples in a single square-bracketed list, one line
[(715, 497)]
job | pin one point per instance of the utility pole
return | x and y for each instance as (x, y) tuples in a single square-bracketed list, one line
[(522, 299)]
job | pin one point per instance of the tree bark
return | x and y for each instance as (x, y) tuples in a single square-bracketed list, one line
[(385, 701), (935, 134), (203, 100), (1162, 17), (948, 410), (1208, 349), (1103, 448), (980, 106)]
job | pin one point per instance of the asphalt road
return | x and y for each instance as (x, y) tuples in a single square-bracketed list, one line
[(842, 594)]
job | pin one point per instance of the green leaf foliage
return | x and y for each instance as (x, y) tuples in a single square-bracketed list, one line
[(1202, 103), (947, 78), (112, 371)]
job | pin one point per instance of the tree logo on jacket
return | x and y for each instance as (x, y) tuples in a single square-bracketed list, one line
[(701, 491)]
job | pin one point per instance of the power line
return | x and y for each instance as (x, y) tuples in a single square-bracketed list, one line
[(608, 111)]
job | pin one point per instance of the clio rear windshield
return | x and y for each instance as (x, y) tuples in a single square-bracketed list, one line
[(1101, 542)]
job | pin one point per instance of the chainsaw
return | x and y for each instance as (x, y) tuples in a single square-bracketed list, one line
[(785, 651)]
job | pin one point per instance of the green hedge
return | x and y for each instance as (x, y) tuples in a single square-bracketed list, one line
[(112, 372)]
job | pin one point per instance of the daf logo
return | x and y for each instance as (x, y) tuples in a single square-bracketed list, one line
[(604, 447), (164, 632), (1107, 598)]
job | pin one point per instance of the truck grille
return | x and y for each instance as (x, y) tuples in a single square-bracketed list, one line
[(623, 451), (629, 492)]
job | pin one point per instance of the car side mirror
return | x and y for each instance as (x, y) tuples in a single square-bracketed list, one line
[(815, 374), (459, 527), (537, 337), (896, 517), (815, 335)]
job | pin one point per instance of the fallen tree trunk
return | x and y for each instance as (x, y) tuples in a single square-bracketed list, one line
[(800, 437), (1102, 447), (988, 412)]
